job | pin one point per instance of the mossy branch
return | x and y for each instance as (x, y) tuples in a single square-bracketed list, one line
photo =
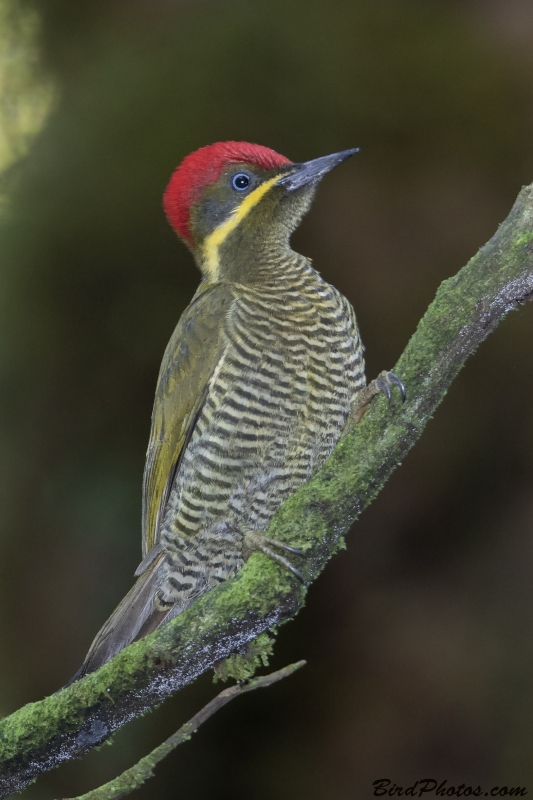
[(466, 309), (134, 777)]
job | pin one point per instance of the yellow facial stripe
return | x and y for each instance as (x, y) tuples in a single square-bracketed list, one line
[(215, 239)]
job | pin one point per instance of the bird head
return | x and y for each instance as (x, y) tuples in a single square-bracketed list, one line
[(230, 202)]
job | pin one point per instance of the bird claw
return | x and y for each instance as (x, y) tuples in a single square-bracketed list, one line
[(257, 542), (384, 387), (282, 546), (387, 381)]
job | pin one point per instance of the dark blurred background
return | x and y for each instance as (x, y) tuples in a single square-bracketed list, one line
[(418, 637)]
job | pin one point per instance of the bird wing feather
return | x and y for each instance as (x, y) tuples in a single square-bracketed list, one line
[(190, 359)]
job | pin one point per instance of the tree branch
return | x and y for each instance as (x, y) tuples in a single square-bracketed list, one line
[(466, 309), (134, 777)]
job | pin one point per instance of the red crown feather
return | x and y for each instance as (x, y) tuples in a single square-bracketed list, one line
[(202, 168)]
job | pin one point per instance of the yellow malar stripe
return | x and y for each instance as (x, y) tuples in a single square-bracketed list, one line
[(215, 239)]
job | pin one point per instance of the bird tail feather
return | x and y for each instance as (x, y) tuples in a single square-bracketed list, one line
[(136, 615)]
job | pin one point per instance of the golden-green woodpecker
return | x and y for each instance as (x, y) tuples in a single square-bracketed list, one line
[(257, 384)]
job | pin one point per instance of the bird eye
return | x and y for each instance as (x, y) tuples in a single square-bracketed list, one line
[(241, 181)]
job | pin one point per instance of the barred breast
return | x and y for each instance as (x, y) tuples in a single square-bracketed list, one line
[(275, 409)]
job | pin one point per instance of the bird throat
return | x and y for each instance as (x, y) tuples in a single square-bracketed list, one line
[(211, 261)]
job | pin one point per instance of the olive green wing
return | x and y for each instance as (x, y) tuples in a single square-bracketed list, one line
[(192, 354)]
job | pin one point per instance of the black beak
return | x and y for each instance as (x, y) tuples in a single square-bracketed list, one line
[(313, 171)]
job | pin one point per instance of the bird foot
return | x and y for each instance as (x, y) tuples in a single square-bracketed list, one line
[(254, 541), (385, 382)]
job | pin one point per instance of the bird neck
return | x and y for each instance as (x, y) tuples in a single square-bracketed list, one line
[(251, 259)]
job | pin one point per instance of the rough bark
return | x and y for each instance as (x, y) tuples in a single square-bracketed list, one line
[(466, 309)]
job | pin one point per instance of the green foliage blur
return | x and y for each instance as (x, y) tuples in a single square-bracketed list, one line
[(418, 637), (26, 96)]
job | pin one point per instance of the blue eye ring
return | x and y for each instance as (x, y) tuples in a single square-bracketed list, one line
[(240, 181)]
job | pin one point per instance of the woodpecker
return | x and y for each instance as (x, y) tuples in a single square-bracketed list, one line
[(260, 379)]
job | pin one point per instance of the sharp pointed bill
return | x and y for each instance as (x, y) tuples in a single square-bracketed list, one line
[(313, 171)]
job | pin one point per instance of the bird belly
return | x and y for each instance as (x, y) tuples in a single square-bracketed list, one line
[(274, 412)]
